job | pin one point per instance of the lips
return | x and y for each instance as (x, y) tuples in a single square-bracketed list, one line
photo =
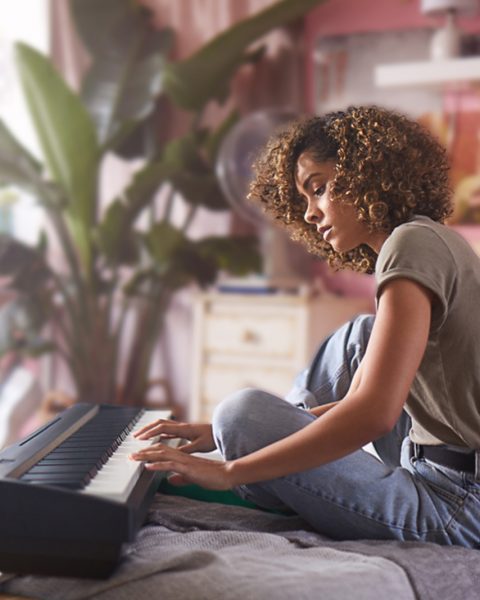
[(323, 231)]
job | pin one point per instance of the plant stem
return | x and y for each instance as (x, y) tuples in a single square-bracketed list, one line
[(192, 209), (117, 341), (169, 204), (149, 324)]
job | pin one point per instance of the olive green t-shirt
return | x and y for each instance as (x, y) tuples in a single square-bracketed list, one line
[(444, 400)]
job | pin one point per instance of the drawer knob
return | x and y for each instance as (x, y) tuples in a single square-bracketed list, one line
[(250, 337)]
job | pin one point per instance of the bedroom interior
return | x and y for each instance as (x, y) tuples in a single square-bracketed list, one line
[(169, 293)]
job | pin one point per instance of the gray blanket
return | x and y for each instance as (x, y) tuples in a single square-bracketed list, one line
[(197, 550)]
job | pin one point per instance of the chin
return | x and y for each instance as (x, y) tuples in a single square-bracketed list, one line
[(339, 248), (342, 248)]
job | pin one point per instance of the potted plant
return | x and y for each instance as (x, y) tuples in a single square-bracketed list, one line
[(111, 269)]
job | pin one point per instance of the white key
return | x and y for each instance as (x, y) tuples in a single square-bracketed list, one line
[(116, 479)]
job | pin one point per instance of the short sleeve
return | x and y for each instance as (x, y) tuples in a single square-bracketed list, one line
[(418, 253)]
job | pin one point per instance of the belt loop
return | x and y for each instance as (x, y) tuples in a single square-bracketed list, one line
[(417, 450), (477, 465)]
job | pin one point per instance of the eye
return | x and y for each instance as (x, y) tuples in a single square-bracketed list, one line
[(319, 191)]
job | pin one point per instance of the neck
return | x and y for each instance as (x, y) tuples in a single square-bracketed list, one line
[(377, 240)]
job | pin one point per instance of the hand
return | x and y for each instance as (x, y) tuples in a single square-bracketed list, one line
[(210, 474), (199, 434)]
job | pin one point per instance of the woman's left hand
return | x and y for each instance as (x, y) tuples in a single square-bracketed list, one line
[(210, 474)]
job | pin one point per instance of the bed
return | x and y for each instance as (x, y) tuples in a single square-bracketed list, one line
[(192, 549)]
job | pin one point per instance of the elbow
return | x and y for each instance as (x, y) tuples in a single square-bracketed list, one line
[(385, 425), (383, 417), (383, 428)]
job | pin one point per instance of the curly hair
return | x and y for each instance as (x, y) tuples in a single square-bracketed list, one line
[(388, 166)]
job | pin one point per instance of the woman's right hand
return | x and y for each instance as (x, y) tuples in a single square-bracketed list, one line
[(199, 435)]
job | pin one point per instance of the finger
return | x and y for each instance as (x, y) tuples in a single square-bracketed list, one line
[(189, 448), (169, 427), (180, 472), (152, 428), (149, 426), (167, 465), (156, 452), (177, 480)]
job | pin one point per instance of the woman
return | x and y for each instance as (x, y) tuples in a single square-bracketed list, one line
[(367, 189)]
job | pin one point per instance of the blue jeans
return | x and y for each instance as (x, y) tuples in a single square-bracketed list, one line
[(359, 496)]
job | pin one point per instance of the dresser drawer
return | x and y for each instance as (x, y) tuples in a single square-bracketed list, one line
[(265, 335), (221, 380)]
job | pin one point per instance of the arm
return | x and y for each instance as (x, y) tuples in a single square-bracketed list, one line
[(374, 401), (371, 407), (318, 411)]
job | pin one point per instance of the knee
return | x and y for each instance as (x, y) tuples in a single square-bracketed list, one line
[(359, 336), (237, 408), (361, 329), (237, 416)]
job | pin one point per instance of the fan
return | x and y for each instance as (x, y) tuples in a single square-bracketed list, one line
[(286, 265)]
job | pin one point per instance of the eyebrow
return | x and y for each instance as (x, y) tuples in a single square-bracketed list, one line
[(306, 182)]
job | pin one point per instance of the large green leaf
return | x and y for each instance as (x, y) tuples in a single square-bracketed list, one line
[(25, 273), (112, 22), (200, 190), (163, 242), (125, 79), (133, 139), (115, 236), (12, 151), (180, 261), (116, 231), (67, 137), (214, 140), (191, 83), (238, 255), (120, 93), (175, 262), (21, 324), (191, 174), (23, 265), (18, 167), (188, 266)]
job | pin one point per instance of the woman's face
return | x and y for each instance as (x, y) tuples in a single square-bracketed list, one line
[(336, 221)]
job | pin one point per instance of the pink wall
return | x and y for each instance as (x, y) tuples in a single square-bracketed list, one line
[(337, 17), (342, 17)]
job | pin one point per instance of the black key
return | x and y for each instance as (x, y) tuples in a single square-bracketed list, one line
[(103, 457), (48, 478), (60, 470), (72, 485), (71, 461)]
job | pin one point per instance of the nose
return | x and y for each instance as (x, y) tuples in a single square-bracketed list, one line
[(313, 214)]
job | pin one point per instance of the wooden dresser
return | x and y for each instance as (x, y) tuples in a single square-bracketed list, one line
[(252, 340)]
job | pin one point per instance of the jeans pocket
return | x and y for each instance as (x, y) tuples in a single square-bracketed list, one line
[(447, 484)]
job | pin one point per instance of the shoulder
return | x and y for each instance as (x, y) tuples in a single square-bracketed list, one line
[(420, 230), (417, 243), (421, 251)]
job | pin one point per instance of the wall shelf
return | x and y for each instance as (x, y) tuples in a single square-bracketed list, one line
[(428, 73)]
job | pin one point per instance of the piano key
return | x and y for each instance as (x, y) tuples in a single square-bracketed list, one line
[(118, 476), (49, 479), (72, 485), (72, 462), (61, 469), (58, 469), (103, 457)]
